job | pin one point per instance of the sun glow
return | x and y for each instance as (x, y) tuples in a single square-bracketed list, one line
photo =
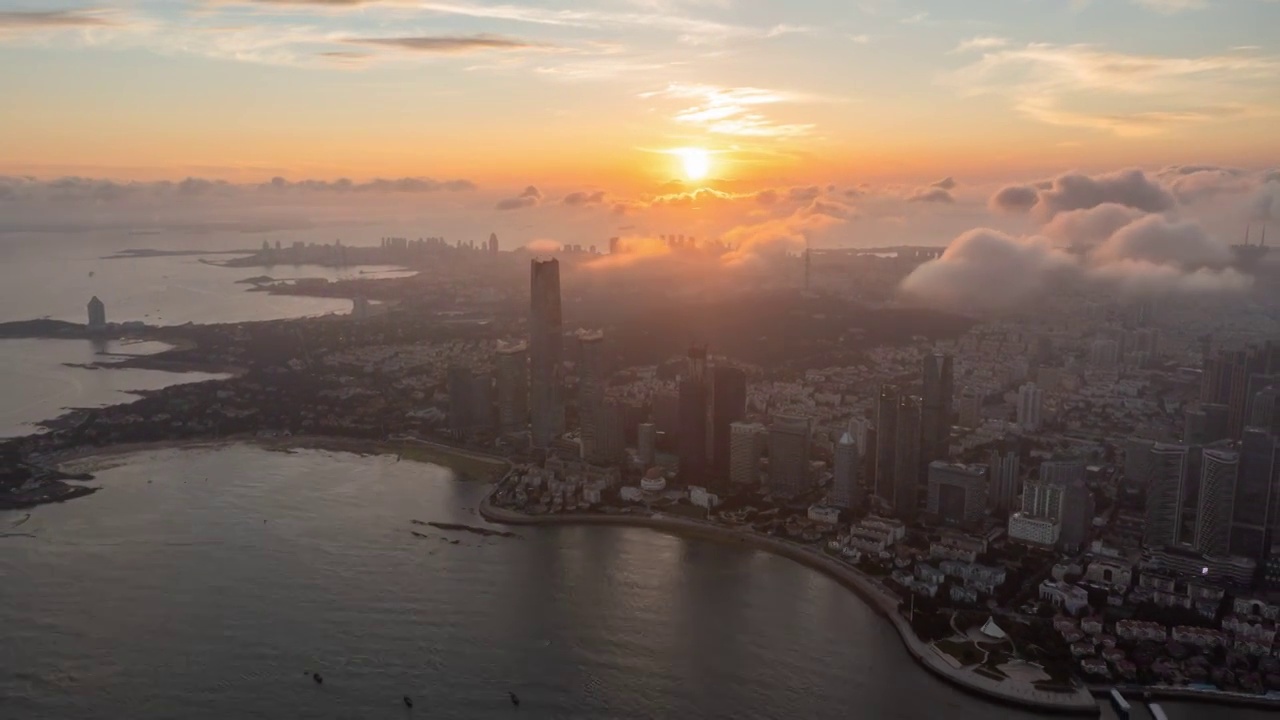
[(696, 162)]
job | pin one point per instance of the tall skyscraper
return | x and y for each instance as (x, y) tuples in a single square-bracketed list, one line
[(970, 408), (1218, 472), (646, 442), (1265, 412), (728, 406), (610, 442), (493, 243), (1030, 407), (1004, 481), (545, 352), (470, 401), (907, 466), (1169, 464), (1228, 379), (937, 405), (789, 455), (886, 441), (1076, 512), (957, 493), (513, 386), (746, 447), (845, 490), (591, 387), (693, 418), (1253, 510), (97, 314)]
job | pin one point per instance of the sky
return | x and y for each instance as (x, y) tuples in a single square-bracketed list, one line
[(574, 119)]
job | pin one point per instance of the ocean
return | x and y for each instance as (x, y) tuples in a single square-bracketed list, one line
[(212, 582)]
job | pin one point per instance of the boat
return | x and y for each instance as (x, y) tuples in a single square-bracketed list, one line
[(1119, 704)]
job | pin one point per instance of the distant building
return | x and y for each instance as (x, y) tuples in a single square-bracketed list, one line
[(1218, 473), (97, 314), (1255, 506), (512, 363), (545, 352), (886, 442), (746, 447), (936, 406), (728, 406), (1076, 510), (591, 386), (1164, 495), (1003, 491), (470, 401), (493, 243), (360, 308), (789, 455), (957, 493), (1104, 353), (970, 408), (1030, 407), (646, 443), (845, 490), (907, 467), (693, 418)]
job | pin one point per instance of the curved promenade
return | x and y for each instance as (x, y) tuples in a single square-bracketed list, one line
[(1080, 701)]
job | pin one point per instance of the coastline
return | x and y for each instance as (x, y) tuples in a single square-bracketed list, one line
[(1080, 702), (461, 462)]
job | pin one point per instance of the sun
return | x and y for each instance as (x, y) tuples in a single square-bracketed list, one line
[(696, 162)]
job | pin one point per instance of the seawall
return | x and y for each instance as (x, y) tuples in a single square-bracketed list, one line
[(1079, 702)]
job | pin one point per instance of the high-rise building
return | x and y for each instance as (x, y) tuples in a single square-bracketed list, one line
[(591, 387), (1265, 412), (860, 429), (1040, 519), (493, 243), (907, 466), (728, 406), (693, 418), (1168, 470), (1228, 379), (97, 314), (886, 441), (513, 386), (1004, 481), (666, 412), (646, 443), (545, 352), (610, 441), (746, 447), (936, 406), (1205, 424), (789, 455), (613, 246), (970, 408), (1253, 511), (1030, 407), (1104, 353), (1218, 472), (470, 401), (957, 493), (845, 490), (1075, 514)]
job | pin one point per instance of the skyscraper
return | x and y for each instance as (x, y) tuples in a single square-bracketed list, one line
[(646, 442), (789, 455), (957, 492), (728, 406), (545, 351), (591, 387), (1004, 481), (493, 243), (746, 447), (970, 408), (513, 386), (97, 314), (845, 490), (1218, 472), (886, 441), (693, 418), (936, 407), (1076, 512), (907, 467), (1255, 496), (1030, 406), (1168, 470), (470, 401)]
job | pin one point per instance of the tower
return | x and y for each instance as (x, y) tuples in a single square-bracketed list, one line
[(1218, 471), (728, 406), (591, 387), (693, 418), (545, 351), (493, 243), (1254, 516), (845, 491), (746, 446), (937, 403), (1030, 406), (1164, 495), (97, 314), (513, 386), (906, 465), (789, 455), (886, 441)]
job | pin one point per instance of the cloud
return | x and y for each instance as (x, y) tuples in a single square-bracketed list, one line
[(1170, 7), (631, 251), (931, 195), (1125, 94), (731, 110), (1158, 240), (102, 190), (52, 19), (804, 194), (544, 246), (946, 183), (1264, 206), (750, 242), (450, 44), (377, 185), (1014, 199), (988, 270), (576, 199), (530, 197), (1089, 227), (981, 43)]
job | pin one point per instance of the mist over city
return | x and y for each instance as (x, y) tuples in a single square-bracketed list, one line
[(640, 358)]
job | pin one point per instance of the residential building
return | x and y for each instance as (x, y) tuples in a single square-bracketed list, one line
[(789, 455), (746, 447), (1003, 492), (1254, 514), (1169, 465), (1218, 473), (886, 441), (907, 467), (936, 406), (546, 367), (512, 381), (1030, 407), (845, 490), (728, 406)]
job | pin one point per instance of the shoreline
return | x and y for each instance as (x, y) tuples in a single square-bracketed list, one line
[(435, 454), (1080, 702)]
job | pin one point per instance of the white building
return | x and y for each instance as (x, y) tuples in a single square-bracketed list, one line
[(844, 483), (824, 514), (1067, 597), (1036, 530), (699, 497)]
